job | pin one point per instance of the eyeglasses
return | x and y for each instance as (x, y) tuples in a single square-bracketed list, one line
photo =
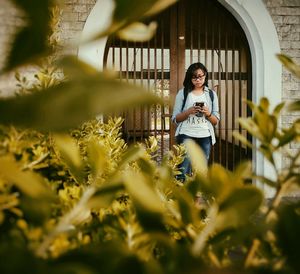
[(196, 77)]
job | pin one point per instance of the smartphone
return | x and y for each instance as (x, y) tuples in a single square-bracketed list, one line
[(199, 104)]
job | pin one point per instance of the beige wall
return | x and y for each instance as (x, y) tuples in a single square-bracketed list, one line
[(11, 18), (286, 17)]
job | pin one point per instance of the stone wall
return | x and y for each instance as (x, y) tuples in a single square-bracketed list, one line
[(74, 15), (286, 17), (11, 19)]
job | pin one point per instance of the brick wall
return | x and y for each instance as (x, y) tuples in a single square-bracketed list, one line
[(11, 18), (286, 17), (74, 15)]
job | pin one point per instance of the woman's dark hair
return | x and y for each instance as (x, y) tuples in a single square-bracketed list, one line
[(187, 83)]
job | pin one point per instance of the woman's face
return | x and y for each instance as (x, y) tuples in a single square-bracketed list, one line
[(198, 78)]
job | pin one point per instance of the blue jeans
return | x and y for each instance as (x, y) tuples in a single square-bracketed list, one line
[(185, 167)]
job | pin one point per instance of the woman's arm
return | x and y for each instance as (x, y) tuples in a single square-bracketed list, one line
[(210, 116), (215, 114), (180, 117)]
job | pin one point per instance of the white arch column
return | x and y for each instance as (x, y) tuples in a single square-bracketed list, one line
[(98, 20), (262, 37)]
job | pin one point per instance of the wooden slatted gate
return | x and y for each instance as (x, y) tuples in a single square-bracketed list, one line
[(191, 31)]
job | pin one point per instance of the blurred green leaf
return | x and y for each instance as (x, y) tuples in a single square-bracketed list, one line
[(188, 212), (242, 172), (148, 205), (277, 109), (107, 258), (264, 105), (146, 167), (96, 158), (289, 64), (31, 40), (104, 196), (126, 13), (242, 139), (197, 156), (295, 106), (251, 127), (138, 32), (267, 150), (221, 182), (37, 210), (159, 6), (70, 154), (15, 257), (266, 122), (142, 192), (238, 207), (287, 229), (70, 103), (266, 181), (288, 136), (133, 153), (28, 182)]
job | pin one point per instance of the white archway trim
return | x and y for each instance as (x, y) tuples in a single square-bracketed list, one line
[(266, 69), (98, 20), (259, 28)]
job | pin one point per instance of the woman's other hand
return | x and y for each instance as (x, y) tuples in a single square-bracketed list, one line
[(205, 111), (194, 110)]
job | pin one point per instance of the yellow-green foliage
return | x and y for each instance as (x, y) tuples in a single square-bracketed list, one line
[(82, 201)]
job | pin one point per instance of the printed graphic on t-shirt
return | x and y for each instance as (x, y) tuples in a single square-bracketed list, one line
[(196, 125), (196, 119)]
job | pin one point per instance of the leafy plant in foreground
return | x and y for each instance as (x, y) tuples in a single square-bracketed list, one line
[(86, 203)]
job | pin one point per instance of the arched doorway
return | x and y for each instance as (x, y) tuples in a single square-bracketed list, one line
[(190, 31)]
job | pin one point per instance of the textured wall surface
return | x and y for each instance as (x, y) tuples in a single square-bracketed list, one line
[(286, 18), (11, 19), (74, 15)]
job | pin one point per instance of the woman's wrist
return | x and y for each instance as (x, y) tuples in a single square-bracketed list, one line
[(208, 115)]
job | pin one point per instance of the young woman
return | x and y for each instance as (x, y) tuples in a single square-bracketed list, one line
[(196, 112)]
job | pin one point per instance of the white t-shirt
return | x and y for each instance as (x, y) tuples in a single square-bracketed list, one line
[(195, 125)]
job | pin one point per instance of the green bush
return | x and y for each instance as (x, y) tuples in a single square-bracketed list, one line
[(79, 200)]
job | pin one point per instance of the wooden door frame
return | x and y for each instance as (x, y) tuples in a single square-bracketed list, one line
[(177, 54)]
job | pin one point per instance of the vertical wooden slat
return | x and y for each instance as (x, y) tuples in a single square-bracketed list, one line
[(173, 64), (148, 86), (213, 15), (240, 97), (162, 110), (121, 61), (199, 16), (233, 121), (226, 95), (134, 81), (155, 84), (220, 20), (212, 49), (113, 55), (190, 19), (181, 43), (142, 110), (206, 20), (249, 97)]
